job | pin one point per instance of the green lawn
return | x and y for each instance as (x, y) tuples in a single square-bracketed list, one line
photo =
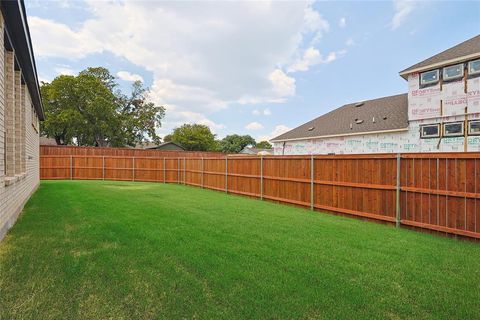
[(113, 250)]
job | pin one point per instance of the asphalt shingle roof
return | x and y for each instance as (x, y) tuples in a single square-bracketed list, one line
[(466, 48), (389, 113)]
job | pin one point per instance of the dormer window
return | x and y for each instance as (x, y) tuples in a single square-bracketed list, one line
[(474, 67), (429, 77), (453, 72)]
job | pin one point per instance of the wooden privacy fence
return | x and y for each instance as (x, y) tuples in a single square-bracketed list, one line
[(430, 191), (121, 152)]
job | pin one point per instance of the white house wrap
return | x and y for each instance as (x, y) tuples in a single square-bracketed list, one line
[(437, 114)]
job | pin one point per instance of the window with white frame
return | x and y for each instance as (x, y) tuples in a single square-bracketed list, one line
[(474, 67), (453, 129), (429, 77), (430, 131), (453, 72), (474, 127)]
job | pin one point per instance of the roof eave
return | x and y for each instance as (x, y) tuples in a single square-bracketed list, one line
[(340, 135), (16, 21)]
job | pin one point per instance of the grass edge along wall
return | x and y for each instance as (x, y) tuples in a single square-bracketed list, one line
[(432, 191)]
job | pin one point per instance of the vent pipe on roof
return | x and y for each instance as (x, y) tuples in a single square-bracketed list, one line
[(359, 104)]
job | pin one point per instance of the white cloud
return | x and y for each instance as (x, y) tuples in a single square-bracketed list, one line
[(313, 57), (265, 112), (342, 23), (350, 42), (127, 76), (209, 57), (310, 57), (64, 70), (254, 126), (315, 24), (283, 85), (403, 8), (278, 130), (332, 56), (52, 39)]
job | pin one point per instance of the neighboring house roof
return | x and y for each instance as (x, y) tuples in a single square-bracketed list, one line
[(45, 141), (377, 115), (251, 150), (461, 52), (18, 39), (145, 145), (166, 145)]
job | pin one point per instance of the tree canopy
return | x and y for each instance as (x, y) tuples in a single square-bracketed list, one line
[(264, 145), (194, 137), (89, 110), (234, 143)]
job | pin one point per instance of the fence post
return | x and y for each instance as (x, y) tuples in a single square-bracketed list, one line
[(226, 174), (311, 183), (202, 172), (397, 208), (184, 171), (103, 168), (71, 167), (261, 177), (133, 169), (178, 170), (164, 171)]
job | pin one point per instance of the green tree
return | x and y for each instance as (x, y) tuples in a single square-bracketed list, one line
[(61, 123), (167, 138), (89, 110), (235, 143), (264, 145), (194, 137)]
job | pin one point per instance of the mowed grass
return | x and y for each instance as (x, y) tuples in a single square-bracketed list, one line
[(115, 250)]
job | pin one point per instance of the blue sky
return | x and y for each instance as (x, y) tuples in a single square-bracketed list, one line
[(255, 68)]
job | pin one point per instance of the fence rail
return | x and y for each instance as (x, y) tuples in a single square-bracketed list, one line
[(429, 191)]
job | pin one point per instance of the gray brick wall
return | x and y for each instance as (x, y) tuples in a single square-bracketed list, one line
[(14, 195)]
